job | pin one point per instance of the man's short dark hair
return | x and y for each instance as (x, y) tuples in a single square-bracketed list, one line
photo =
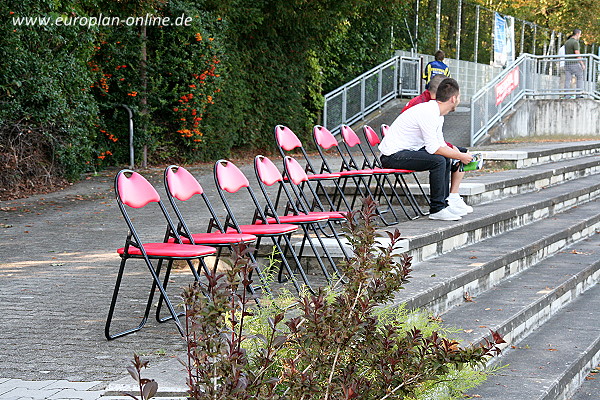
[(447, 88), (576, 31), (439, 55)]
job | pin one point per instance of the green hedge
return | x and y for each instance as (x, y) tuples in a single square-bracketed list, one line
[(199, 91)]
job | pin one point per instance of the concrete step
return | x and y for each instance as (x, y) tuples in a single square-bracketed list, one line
[(491, 187), (554, 360), (522, 303), (425, 239), (531, 154), (590, 387), (441, 283), (486, 187)]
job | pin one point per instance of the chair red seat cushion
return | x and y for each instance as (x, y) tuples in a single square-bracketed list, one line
[(392, 171), (356, 172), (333, 215), (266, 230), (297, 219), (218, 238), (170, 250), (333, 175)]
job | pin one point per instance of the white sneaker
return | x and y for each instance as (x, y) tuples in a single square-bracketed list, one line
[(445, 215), (458, 204), (461, 212)]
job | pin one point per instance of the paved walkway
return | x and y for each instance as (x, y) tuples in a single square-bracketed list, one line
[(48, 389), (57, 272)]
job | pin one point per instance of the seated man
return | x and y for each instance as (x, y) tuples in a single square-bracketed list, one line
[(415, 141), (457, 176)]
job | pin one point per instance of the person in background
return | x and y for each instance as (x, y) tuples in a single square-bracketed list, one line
[(457, 176), (415, 141), (574, 67), (436, 67), (428, 94)]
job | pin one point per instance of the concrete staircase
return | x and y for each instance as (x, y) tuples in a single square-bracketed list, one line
[(525, 263)]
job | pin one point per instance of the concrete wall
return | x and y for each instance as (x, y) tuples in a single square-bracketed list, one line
[(576, 117)]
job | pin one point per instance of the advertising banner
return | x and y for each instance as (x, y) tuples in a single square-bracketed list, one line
[(504, 40), (507, 85)]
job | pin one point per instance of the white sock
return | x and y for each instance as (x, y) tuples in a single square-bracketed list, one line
[(454, 196)]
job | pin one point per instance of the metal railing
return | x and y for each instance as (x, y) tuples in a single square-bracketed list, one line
[(399, 76), (470, 76), (530, 76), (364, 94)]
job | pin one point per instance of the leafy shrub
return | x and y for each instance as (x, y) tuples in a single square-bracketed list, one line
[(198, 92), (337, 344), (44, 93)]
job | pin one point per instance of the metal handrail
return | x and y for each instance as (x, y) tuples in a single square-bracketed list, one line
[(370, 91), (529, 76)]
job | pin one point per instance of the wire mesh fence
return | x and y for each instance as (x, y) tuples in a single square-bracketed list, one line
[(353, 101), (541, 77)]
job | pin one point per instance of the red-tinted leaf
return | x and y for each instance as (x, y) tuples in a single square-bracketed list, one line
[(150, 389), (133, 372), (497, 338)]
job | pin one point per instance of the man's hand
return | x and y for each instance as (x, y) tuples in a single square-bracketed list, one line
[(466, 158)]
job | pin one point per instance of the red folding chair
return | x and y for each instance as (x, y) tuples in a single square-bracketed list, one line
[(230, 180), (268, 175), (361, 177), (351, 141), (135, 192), (182, 186), (304, 194), (287, 141), (373, 140)]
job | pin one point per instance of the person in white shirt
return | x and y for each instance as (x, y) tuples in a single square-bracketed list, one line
[(415, 141)]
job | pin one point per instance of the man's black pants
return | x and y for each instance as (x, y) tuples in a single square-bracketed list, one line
[(420, 160)]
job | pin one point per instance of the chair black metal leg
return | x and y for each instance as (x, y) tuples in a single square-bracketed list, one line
[(156, 283), (328, 256), (400, 181), (113, 303), (289, 246), (381, 189), (396, 196), (316, 251), (342, 248), (166, 282)]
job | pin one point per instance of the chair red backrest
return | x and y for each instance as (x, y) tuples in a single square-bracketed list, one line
[(371, 136), (229, 177), (384, 129), (135, 191), (295, 171), (181, 184), (286, 139), (267, 171), (350, 137), (324, 138)]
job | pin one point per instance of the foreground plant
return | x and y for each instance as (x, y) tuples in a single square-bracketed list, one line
[(147, 387), (330, 345)]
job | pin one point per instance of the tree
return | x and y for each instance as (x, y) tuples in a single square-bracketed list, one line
[(559, 15)]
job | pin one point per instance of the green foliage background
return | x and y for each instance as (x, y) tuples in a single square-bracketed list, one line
[(198, 92)]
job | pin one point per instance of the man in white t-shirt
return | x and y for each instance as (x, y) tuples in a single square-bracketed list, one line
[(415, 141)]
